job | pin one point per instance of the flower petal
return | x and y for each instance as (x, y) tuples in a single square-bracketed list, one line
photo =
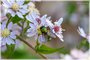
[(41, 39), (23, 11), (3, 41), (58, 23), (50, 24), (60, 36), (6, 3), (11, 12), (81, 32), (28, 17), (9, 41), (10, 25), (12, 35), (20, 2), (19, 14), (24, 7), (32, 26), (31, 33), (3, 25)]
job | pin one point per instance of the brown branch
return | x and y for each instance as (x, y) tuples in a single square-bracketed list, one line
[(30, 46)]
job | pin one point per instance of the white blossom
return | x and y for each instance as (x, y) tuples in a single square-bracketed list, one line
[(15, 7), (56, 28)]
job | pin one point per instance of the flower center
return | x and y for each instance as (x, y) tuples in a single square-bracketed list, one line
[(56, 28), (5, 32), (15, 7), (38, 20), (43, 29), (39, 31)]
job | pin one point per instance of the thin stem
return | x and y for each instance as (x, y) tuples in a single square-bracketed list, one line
[(31, 46), (8, 21)]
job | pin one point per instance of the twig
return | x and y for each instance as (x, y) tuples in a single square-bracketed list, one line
[(30, 46)]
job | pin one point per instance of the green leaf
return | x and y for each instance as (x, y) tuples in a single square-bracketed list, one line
[(15, 19), (45, 49), (71, 7), (84, 43), (10, 50), (64, 50)]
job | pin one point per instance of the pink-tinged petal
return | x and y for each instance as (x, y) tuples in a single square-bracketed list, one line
[(11, 12), (19, 14), (41, 39), (23, 11), (10, 25)]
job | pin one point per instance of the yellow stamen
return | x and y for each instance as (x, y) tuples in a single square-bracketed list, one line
[(39, 31), (15, 7), (5, 33)]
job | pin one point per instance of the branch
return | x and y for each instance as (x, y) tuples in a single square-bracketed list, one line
[(30, 46)]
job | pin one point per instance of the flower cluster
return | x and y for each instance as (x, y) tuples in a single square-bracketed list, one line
[(40, 27)]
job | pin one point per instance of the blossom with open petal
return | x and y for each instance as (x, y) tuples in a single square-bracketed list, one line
[(37, 20), (38, 26), (35, 32), (83, 34), (15, 7), (56, 28), (7, 36)]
